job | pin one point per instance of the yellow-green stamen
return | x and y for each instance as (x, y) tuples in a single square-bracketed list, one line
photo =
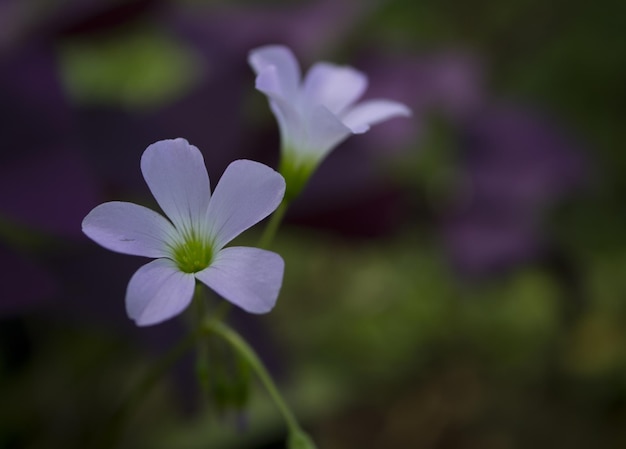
[(193, 254)]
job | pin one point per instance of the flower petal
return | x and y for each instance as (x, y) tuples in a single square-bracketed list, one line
[(268, 81), (175, 172), (325, 132), (280, 59), (363, 115), (247, 193), (285, 106), (250, 278), (129, 229), (289, 119), (333, 86), (158, 291)]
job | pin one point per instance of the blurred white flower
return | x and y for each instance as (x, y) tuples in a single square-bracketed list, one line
[(315, 114)]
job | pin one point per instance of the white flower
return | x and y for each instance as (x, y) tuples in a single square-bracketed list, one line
[(317, 114), (190, 245)]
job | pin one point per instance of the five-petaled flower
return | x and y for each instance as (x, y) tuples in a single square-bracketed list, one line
[(190, 245), (317, 114)]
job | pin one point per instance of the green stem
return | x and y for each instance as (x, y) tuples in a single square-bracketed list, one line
[(298, 439), (272, 225), (202, 345), (245, 350)]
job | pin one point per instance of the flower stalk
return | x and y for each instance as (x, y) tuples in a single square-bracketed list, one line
[(297, 437), (272, 225), (202, 345)]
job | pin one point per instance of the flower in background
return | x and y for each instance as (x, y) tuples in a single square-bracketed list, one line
[(440, 86), (190, 245), (516, 166), (316, 114)]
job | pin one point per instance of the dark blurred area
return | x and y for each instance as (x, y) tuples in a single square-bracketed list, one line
[(454, 280)]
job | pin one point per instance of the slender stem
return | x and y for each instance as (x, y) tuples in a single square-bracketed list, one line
[(272, 225), (239, 344), (118, 422), (202, 345)]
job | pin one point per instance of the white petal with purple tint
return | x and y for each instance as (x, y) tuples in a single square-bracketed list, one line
[(326, 131), (333, 86), (158, 291), (363, 115), (247, 193), (250, 278), (281, 60), (290, 122), (129, 229), (175, 172)]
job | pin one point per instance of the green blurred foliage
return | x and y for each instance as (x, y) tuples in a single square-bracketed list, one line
[(138, 68)]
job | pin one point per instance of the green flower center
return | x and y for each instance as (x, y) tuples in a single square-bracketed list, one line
[(193, 254)]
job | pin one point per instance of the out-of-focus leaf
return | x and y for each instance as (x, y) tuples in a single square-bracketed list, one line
[(140, 68)]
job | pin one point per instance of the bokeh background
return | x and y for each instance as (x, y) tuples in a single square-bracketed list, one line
[(454, 280)]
